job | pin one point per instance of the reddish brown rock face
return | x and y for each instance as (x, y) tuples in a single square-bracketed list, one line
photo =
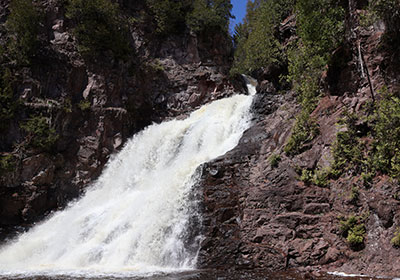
[(256, 216)]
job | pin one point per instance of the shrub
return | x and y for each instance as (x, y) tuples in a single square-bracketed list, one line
[(367, 178), (353, 230), (40, 134), (354, 194), (321, 177), (346, 225), (386, 129), (306, 176), (7, 103), (356, 235), (7, 163), (304, 130), (318, 177), (22, 24), (396, 239), (348, 150), (84, 105), (274, 160), (67, 105), (99, 27)]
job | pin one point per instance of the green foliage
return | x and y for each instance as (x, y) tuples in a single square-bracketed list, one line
[(67, 105), (386, 128), (319, 177), (210, 14), (274, 160), (22, 24), (305, 130), (84, 105), (389, 12), (156, 65), (256, 40), (168, 15), (99, 27), (346, 225), (396, 239), (305, 70), (353, 230), (40, 134), (7, 103), (367, 178), (354, 194), (306, 176), (321, 30), (320, 24), (7, 163), (351, 154), (348, 150), (171, 16), (356, 235)]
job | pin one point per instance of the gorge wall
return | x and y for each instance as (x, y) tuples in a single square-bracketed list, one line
[(262, 211)]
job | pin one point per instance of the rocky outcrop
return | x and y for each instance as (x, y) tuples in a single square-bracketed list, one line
[(259, 216)]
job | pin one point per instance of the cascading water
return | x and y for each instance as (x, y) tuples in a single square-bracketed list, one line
[(135, 218)]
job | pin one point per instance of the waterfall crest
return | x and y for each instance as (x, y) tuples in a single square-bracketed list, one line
[(134, 218)]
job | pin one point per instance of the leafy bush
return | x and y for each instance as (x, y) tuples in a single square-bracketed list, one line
[(367, 178), (84, 105), (305, 130), (348, 150), (321, 177), (353, 230), (99, 27), (274, 160), (7, 163), (346, 225), (396, 239), (7, 103), (354, 194), (22, 24), (40, 134), (306, 176), (317, 177), (386, 128), (356, 235)]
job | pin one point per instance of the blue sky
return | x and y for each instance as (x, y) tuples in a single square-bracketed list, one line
[(239, 11)]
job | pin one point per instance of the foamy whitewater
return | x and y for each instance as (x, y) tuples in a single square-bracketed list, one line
[(135, 218)]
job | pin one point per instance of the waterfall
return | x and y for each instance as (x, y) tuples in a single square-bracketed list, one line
[(134, 218)]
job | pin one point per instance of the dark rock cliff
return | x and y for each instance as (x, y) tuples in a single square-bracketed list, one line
[(94, 106), (259, 216)]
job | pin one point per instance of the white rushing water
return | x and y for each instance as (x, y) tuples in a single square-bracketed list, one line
[(135, 218)]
